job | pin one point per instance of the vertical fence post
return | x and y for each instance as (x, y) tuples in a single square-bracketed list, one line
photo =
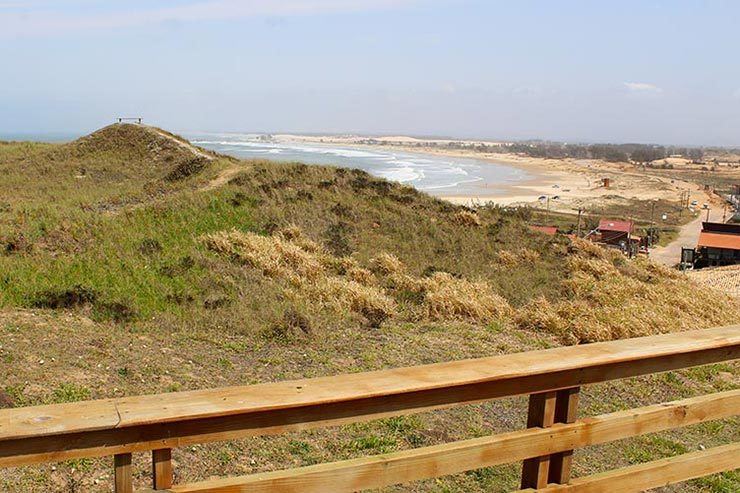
[(162, 469), (566, 411), (123, 477), (535, 471)]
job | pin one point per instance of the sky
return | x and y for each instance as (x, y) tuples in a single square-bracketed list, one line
[(587, 71)]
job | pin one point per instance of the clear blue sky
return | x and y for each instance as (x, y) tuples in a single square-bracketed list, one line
[(637, 71)]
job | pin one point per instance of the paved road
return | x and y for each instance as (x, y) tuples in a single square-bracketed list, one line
[(670, 254)]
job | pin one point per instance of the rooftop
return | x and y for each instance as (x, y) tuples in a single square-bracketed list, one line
[(719, 240), (548, 230), (616, 225)]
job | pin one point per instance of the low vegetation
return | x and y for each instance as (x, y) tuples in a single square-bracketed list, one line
[(144, 277)]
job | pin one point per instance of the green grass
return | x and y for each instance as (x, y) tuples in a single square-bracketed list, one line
[(117, 266), (70, 392)]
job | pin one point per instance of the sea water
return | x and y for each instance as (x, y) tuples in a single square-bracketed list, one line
[(435, 174)]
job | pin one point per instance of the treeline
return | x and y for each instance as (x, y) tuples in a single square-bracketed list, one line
[(639, 153)]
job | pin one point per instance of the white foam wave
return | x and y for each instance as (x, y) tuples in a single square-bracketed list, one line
[(424, 171), (402, 175)]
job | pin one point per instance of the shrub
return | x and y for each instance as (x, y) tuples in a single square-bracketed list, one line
[(467, 218), (386, 263)]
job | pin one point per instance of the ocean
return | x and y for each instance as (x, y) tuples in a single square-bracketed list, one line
[(438, 175), (431, 173)]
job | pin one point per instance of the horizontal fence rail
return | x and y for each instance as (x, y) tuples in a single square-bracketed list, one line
[(552, 377)]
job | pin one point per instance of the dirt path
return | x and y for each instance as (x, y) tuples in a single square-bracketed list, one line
[(223, 177), (185, 145), (688, 236)]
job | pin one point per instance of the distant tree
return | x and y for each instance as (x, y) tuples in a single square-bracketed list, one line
[(608, 152), (647, 154), (695, 154)]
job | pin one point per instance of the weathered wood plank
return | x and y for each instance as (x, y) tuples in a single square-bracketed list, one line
[(566, 411), (541, 414), (58, 419), (440, 460), (123, 473), (162, 473), (640, 353), (258, 410), (177, 419), (654, 474)]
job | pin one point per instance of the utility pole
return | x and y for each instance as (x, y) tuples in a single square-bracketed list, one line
[(578, 229), (652, 225), (708, 209)]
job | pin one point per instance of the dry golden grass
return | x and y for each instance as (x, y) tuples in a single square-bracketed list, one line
[(310, 272), (361, 276), (723, 279), (505, 258), (467, 218), (605, 296), (385, 263), (338, 283), (275, 256), (446, 297), (529, 256), (524, 256), (609, 297)]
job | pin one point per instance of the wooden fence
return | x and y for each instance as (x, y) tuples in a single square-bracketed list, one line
[(553, 377)]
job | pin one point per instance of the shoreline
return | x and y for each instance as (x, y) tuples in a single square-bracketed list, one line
[(541, 177), (565, 185), (548, 177)]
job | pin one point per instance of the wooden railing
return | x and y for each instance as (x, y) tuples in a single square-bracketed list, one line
[(553, 377)]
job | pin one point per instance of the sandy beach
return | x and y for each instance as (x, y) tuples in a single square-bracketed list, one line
[(569, 184)]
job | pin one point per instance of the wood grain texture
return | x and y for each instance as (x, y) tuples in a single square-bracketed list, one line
[(654, 474), (440, 460), (97, 428), (162, 473), (535, 471), (123, 474), (566, 411)]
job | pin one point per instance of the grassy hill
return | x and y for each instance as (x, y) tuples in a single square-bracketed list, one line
[(132, 262)]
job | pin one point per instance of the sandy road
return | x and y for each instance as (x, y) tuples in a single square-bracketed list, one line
[(688, 236)]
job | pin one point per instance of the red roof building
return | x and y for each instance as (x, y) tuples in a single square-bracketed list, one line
[(616, 232), (719, 240), (548, 230), (719, 244), (616, 225)]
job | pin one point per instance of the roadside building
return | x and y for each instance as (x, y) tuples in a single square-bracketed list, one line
[(619, 234), (718, 245), (615, 233), (548, 230)]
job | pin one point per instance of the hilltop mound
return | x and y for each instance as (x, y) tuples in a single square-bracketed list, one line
[(141, 148), (112, 168), (122, 161), (135, 143)]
